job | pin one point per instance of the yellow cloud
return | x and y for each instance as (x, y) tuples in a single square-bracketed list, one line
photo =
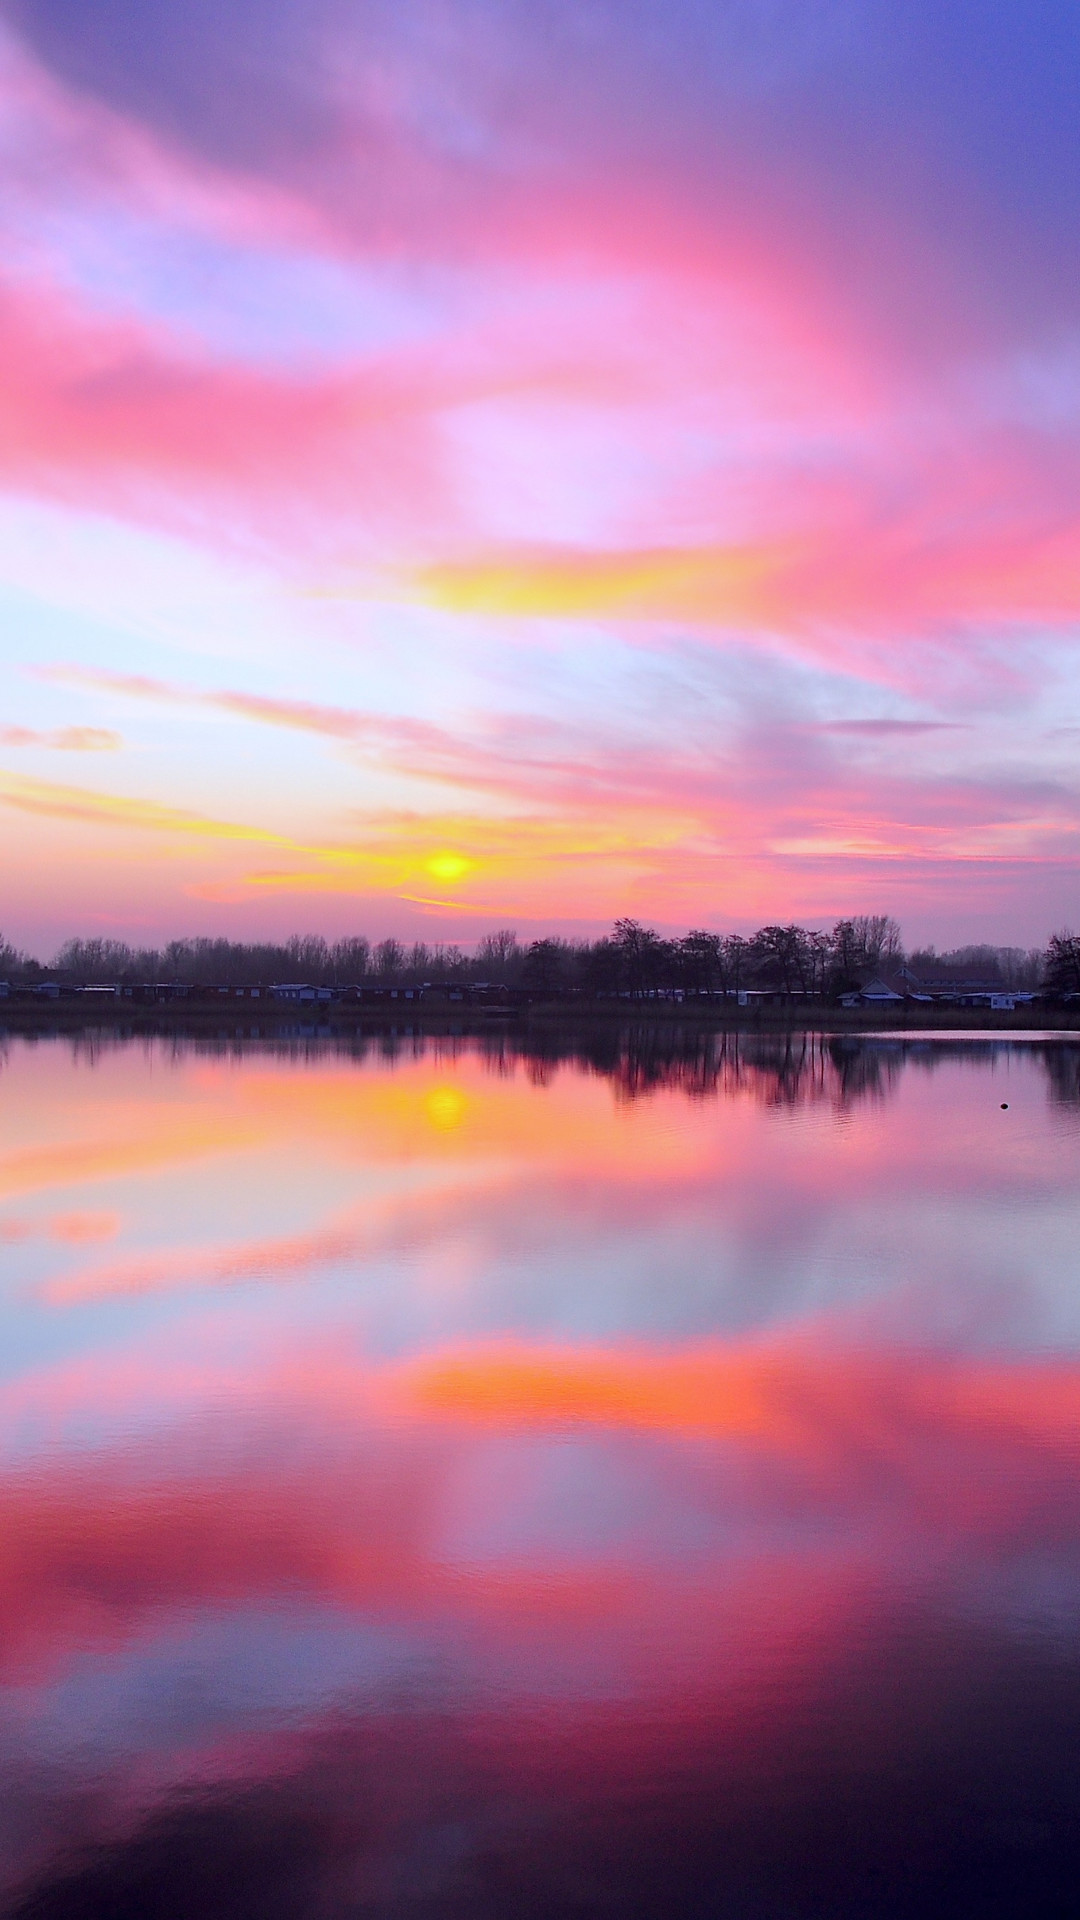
[(716, 583), (117, 810)]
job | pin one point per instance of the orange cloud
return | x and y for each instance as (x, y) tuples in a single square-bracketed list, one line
[(714, 1393), (793, 1399)]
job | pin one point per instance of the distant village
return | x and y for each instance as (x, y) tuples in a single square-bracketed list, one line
[(859, 963)]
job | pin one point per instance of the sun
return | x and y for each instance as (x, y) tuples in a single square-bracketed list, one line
[(448, 867)]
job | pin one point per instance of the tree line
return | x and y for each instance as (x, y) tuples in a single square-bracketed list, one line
[(798, 961)]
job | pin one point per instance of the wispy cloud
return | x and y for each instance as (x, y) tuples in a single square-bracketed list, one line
[(568, 814), (682, 358), (118, 810), (63, 739)]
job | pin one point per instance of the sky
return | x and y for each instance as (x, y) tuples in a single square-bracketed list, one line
[(469, 463)]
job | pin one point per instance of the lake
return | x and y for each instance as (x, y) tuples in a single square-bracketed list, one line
[(441, 1479)]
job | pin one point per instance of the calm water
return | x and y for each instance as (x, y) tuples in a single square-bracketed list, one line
[(438, 1482)]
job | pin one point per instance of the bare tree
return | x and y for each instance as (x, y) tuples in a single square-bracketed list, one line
[(1062, 965), (701, 959), (547, 964), (498, 954), (737, 957), (94, 959), (642, 954), (881, 938), (11, 960), (389, 959), (350, 959), (784, 958)]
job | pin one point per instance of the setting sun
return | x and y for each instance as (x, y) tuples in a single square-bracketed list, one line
[(448, 867)]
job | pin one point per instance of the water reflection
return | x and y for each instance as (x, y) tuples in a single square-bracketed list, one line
[(779, 1068), (613, 1480)]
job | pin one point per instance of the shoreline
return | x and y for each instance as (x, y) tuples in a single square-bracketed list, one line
[(537, 1020)]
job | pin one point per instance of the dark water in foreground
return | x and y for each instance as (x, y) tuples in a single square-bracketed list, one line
[(438, 1482)]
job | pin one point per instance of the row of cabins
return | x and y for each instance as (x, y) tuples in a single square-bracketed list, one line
[(290, 993), (891, 990), (471, 994), (905, 988)]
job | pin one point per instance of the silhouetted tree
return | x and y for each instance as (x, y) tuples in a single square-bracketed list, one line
[(12, 962), (601, 966), (498, 956), (388, 959), (94, 960), (700, 960), (350, 960), (737, 958), (780, 957), (633, 957), (880, 938), (450, 963), (642, 954), (1061, 972), (545, 965)]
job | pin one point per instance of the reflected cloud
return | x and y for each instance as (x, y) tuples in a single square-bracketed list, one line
[(369, 1487), (678, 1513), (549, 1511), (77, 1228), (288, 1258), (36, 1169)]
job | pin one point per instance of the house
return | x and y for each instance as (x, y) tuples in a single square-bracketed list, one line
[(880, 992)]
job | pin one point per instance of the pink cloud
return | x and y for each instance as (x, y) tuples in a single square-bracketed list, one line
[(643, 404)]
